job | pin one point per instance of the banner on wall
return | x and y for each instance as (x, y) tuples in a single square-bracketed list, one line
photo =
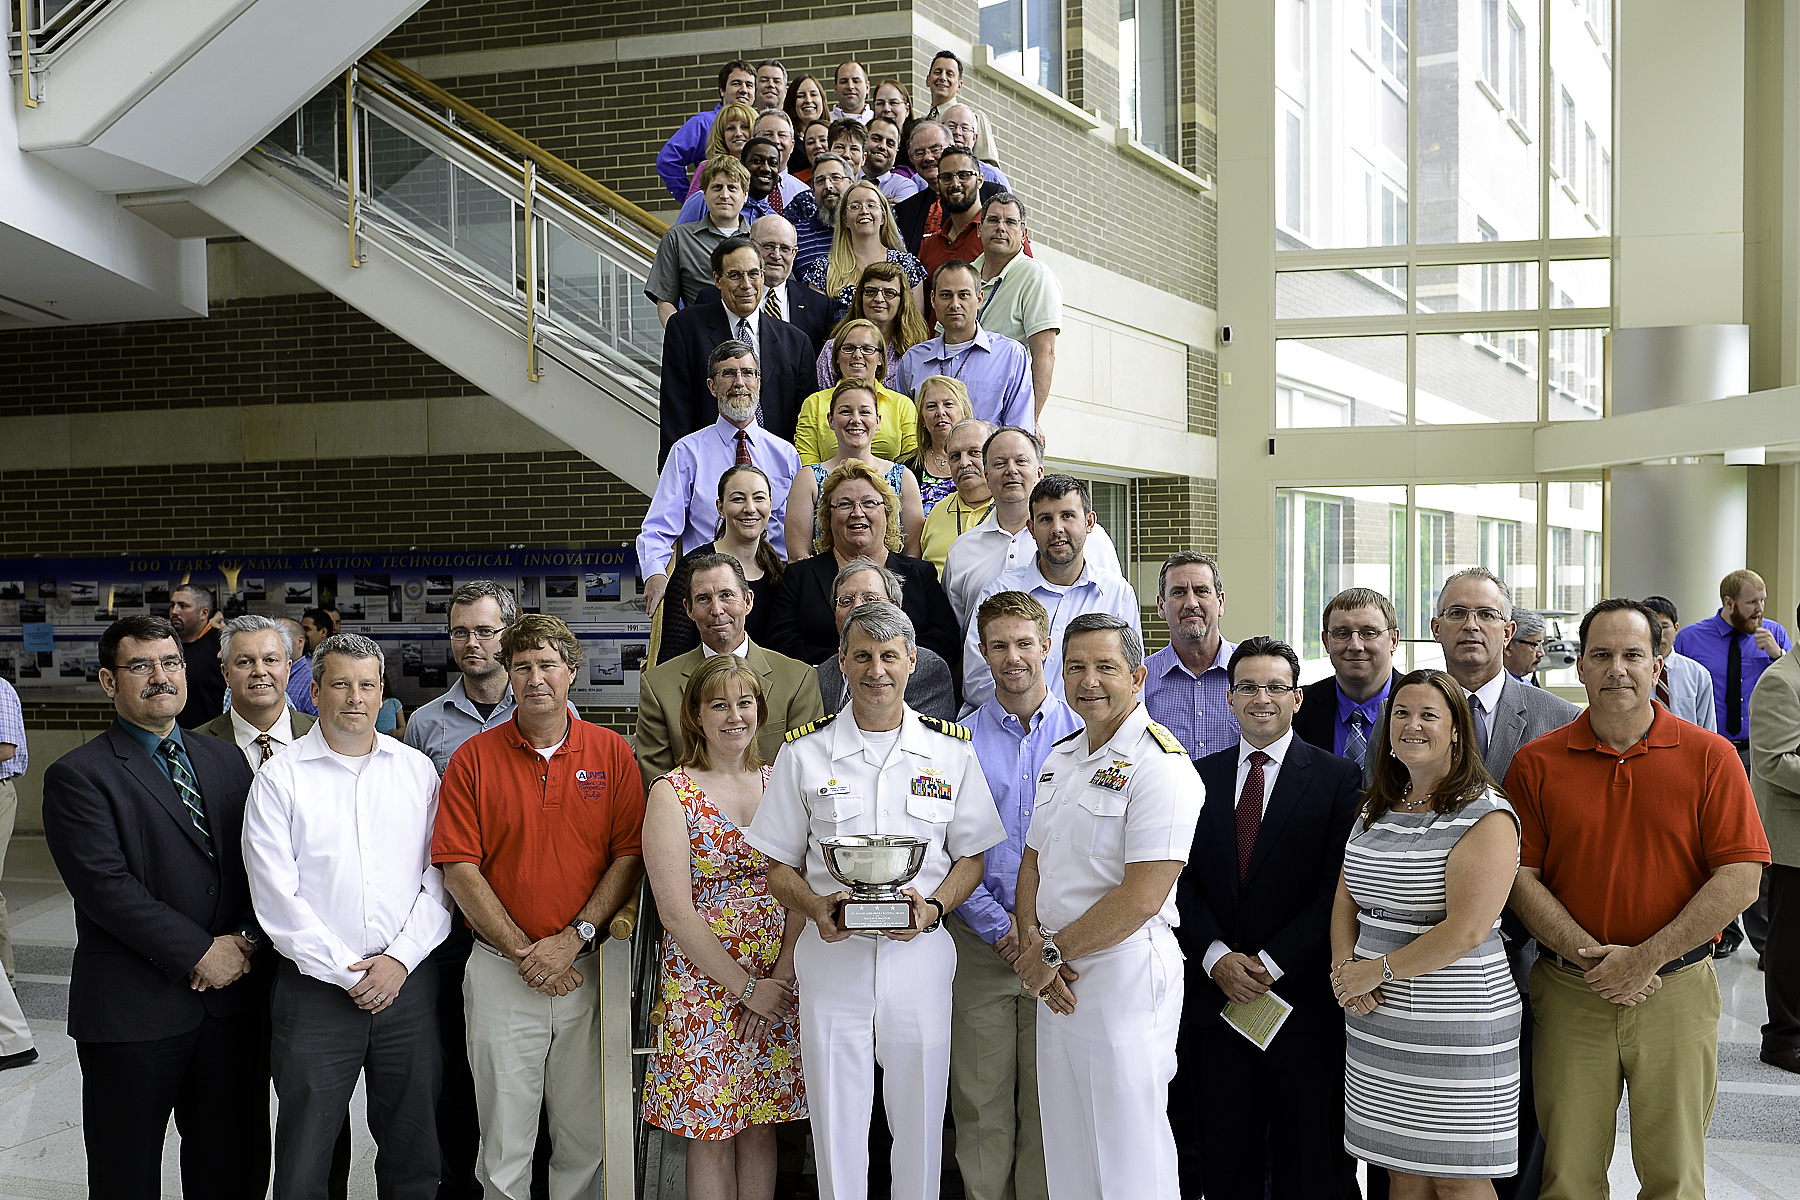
[(53, 610)]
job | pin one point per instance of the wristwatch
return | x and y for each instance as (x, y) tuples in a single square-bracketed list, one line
[(585, 931), (749, 987), (1052, 956), (939, 905)]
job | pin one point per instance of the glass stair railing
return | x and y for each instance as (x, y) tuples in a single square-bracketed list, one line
[(528, 240)]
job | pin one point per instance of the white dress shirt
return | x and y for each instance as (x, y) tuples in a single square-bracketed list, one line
[(743, 650), (338, 851), (1092, 591), (1489, 695), (281, 733), (1277, 752), (978, 556)]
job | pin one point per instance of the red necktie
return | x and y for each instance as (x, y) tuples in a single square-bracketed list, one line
[(775, 199), (1662, 687), (1249, 811), (743, 454)]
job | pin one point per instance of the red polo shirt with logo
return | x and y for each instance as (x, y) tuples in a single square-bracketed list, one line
[(542, 832)]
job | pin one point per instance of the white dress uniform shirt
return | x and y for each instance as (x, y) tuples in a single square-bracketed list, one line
[(1691, 691), (1277, 752), (832, 781), (978, 556), (1133, 800), (1093, 591), (281, 733), (338, 851)]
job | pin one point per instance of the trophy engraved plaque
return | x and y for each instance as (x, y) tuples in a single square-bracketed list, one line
[(874, 867)]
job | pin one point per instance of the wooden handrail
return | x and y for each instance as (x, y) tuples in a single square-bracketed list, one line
[(624, 922), (579, 180)]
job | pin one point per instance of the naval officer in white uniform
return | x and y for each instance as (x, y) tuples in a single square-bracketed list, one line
[(1117, 802), (879, 768)]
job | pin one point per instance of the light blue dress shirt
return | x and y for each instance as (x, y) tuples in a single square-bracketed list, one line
[(995, 369), (1371, 711), (1193, 707), (1091, 592), (684, 509), (1011, 756)]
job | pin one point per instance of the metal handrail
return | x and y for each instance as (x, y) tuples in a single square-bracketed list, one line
[(36, 43)]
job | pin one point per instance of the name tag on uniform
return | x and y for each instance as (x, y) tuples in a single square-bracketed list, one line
[(1113, 778), (834, 788), (932, 785)]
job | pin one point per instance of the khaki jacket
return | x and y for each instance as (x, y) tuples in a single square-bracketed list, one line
[(790, 688), (1775, 756)]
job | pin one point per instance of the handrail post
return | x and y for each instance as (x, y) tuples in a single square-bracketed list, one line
[(350, 148), (618, 1113), (25, 51), (531, 371)]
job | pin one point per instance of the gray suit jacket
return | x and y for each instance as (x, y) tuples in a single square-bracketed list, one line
[(1523, 714), (1775, 756), (928, 691)]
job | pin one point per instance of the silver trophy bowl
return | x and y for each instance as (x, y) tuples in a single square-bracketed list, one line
[(874, 867)]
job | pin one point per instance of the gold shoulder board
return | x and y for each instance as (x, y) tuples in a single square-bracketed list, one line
[(1168, 741), (946, 727), (810, 727)]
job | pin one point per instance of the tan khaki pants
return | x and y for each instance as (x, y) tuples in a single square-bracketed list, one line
[(1586, 1050), (9, 812), (993, 1075)]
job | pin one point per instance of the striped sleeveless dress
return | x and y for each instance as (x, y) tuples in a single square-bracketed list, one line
[(1431, 1084)]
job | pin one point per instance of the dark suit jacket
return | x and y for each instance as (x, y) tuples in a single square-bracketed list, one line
[(148, 901), (1284, 904), (789, 372), (808, 311), (1316, 722), (803, 625), (911, 213)]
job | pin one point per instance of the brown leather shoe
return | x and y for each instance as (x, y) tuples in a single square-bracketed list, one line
[(1787, 1060)]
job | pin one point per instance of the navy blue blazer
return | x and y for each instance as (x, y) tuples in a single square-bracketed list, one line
[(148, 900), (1284, 903), (808, 311), (789, 372)]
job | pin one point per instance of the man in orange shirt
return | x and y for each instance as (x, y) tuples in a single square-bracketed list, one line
[(1639, 842), (538, 834)]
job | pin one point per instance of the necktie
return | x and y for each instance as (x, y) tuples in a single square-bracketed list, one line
[(1249, 811), (743, 448), (1734, 686), (267, 745), (771, 306), (1662, 687), (189, 792), (1481, 724), (743, 332), (1356, 741), (775, 202)]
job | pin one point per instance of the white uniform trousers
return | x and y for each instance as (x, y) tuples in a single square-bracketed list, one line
[(1103, 1074), (863, 1001), (528, 1051)]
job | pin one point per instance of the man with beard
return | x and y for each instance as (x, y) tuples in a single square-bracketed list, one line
[(1188, 681), (684, 512), (880, 152), (968, 506), (996, 370), (762, 158), (815, 223), (925, 212), (1058, 577), (191, 612), (787, 374)]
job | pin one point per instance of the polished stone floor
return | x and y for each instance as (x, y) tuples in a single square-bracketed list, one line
[(1753, 1150)]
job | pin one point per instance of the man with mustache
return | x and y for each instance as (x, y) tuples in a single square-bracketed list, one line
[(684, 511), (964, 126), (996, 370), (144, 824), (1058, 577), (968, 506), (815, 218), (926, 212)]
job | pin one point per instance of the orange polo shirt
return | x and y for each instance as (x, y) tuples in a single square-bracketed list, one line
[(1625, 840), (543, 833)]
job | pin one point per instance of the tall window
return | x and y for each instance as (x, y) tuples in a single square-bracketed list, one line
[(1518, 66), (1147, 76), (1567, 141), (1027, 39)]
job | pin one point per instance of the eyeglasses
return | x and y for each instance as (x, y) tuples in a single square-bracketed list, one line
[(1342, 636), (736, 373), (1004, 222), (860, 598), (736, 276), (1528, 642), (960, 176), (141, 667), (864, 351), (1487, 616), (481, 633), (846, 507), (880, 293), (961, 128), (1248, 691), (860, 207), (781, 248)]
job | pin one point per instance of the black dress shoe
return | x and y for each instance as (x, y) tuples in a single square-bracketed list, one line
[(1724, 949), (23, 1058), (1759, 962), (1787, 1060)]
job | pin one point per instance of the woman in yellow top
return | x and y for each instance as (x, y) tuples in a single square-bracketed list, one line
[(860, 354), (857, 422)]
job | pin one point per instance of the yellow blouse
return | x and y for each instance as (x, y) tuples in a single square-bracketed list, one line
[(895, 440)]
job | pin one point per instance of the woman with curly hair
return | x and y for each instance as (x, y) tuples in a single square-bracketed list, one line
[(883, 295)]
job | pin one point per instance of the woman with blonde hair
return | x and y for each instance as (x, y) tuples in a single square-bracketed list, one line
[(854, 414), (730, 134), (859, 356), (943, 402), (727, 1062), (883, 296), (865, 234), (1432, 1070)]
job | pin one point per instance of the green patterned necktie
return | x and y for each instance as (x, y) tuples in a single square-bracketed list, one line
[(187, 790)]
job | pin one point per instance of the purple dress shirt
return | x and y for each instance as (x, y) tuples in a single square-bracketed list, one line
[(812, 235), (1371, 711), (1708, 643), (684, 509), (1011, 757), (676, 160), (1193, 707), (995, 369)]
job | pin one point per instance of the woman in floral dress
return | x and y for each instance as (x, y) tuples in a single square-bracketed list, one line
[(727, 1064)]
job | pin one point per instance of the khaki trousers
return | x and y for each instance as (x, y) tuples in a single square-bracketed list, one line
[(1587, 1049), (9, 812), (993, 1075), (528, 1052)]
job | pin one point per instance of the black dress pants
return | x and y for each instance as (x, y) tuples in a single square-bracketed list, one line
[(458, 1123), (213, 1078), (1781, 959)]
